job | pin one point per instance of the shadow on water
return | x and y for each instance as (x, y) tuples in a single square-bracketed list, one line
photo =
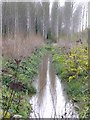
[(50, 101)]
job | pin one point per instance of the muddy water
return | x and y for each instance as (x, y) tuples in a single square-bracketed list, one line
[(50, 100)]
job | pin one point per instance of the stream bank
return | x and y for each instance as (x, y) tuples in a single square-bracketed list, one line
[(17, 78), (50, 101), (72, 68)]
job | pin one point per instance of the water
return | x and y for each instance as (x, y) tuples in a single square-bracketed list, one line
[(50, 100)]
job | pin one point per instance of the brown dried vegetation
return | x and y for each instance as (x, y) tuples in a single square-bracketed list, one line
[(20, 46)]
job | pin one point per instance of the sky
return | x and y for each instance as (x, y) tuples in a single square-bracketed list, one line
[(61, 1)]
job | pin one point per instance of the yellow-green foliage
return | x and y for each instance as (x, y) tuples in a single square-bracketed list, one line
[(72, 67), (7, 116), (76, 62)]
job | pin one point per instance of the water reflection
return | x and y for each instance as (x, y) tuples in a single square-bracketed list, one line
[(50, 101), (42, 81)]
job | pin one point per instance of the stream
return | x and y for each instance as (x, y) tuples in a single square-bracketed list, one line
[(50, 101)]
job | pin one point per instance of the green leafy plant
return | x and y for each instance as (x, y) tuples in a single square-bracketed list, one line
[(72, 67), (17, 78)]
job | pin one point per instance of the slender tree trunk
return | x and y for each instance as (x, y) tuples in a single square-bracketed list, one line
[(16, 20), (57, 26), (28, 21), (89, 56), (0, 20), (89, 33), (0, 39)]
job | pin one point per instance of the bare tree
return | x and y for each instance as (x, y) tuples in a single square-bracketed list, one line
[(60, 20), (67, 17), (39, 17), (89, 42), (8, 18), (45, 18), (22, 17), (0, 19), (54, 20), (77, 18)]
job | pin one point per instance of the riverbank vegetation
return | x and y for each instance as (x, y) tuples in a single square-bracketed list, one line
[(17, 78), (72, 67)]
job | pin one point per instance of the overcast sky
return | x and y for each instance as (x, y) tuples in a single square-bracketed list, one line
[(61, 1)]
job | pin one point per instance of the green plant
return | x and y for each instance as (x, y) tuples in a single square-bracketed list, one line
[(17, 78), (72, 67)]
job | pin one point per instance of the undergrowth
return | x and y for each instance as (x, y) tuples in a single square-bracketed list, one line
[(72, 67), (17, 78)]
